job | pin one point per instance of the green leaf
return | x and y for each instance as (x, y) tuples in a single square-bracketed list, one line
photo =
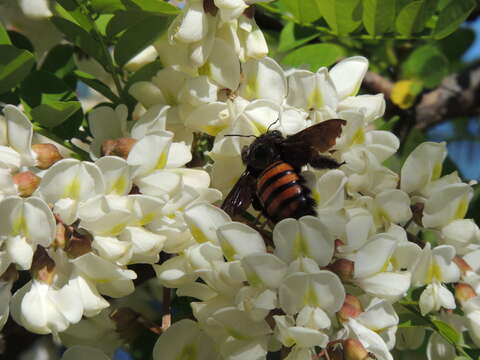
[(156, 6), (452, 16), (20, 41), (59, 61), (4, 39), (413, 17), (293, 35), (454, 45), (54, 113), (71, 10), (122, 20), (139, 36), (78, 36), (316, 55), (378, 15), (43, 87), (305, 11), (342, 16), (15, 65), (96, 85), (447, 331), (427, 64)]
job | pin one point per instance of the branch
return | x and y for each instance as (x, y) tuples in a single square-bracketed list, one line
[(458, 95)]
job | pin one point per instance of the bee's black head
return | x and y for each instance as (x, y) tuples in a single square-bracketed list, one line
[(262, 151)]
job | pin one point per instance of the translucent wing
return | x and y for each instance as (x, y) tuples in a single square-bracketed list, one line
[(241, 195)]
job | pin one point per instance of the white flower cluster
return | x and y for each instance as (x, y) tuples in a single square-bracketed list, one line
[(325, 284)]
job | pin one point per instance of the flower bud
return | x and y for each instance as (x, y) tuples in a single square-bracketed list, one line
[(343, 268), (462, 264), (354, 350), (43, 267), (118, 147), (27, 182), (47, 155), (464, 292), (79, 243), (351, 308)]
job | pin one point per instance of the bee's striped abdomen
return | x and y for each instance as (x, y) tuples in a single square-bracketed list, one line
[(281, 193)]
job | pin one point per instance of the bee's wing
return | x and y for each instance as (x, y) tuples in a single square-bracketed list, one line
[(241, 195), (320, 137)]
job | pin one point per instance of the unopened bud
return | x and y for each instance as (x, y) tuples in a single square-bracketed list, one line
[(43, 267), (26, 182), (462, 264), (464, 292), (354, 350), (47, 155), (79, 243), (343, 268), (118, 147), (351, 308)]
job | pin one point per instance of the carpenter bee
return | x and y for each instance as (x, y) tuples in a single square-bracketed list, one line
[(272, 182)]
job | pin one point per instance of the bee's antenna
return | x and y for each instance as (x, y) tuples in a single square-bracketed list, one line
[(278, 119), (241, 135)]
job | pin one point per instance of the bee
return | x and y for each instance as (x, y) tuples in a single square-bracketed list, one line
[(272, 182)]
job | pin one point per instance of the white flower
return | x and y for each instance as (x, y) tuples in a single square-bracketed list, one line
[(184, 339), (24, 224)]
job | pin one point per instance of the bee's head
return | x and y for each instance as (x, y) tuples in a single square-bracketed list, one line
[(263, 151)]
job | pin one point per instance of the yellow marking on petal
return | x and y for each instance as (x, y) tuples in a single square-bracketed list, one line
[(315, 100), (259, 128), (437, 171), (228, 250), (300, 246), (236, 334), (189, 352), (205, 69), (356, 89), (461, 209), (72, 190), (147, 219), (253, 279), (289, 341), (316, 196), (198, 234), (118, 187), (251, 89), (20, 226), (162, 160), (385, 265), (434, 272), (213, 129), (310, 297), (117, 229), (359, 137)]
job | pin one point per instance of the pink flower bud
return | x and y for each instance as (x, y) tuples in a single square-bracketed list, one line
[(43, 267), (27, 182), (354, 350), (351, 308), (464, 292), (47, 155), (462, 264), (118, 147), (343, 268)]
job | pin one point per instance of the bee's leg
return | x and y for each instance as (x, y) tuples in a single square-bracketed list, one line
[(319, 161), (257, 219)]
